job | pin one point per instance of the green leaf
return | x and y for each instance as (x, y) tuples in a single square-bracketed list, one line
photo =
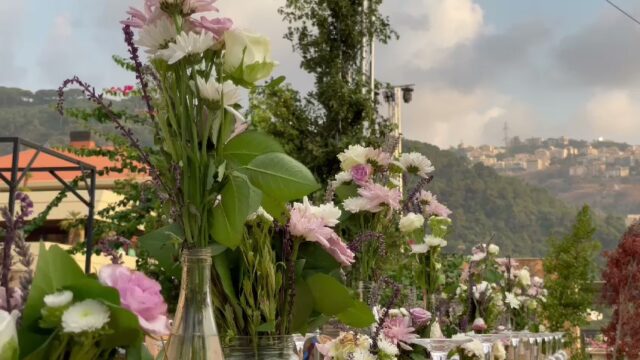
[(281, 177), (330, 297), (163, 246), (56, 269), (126, 328), (276, 82), (317, 258), (272, 206), (302, 306), (138, 352), (42, 351), (238, 201), (346, 191), (359, 315), (223, 270), (267, 327), (92, 289), (247, 146)]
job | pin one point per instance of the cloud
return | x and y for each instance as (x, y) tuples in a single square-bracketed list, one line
[(433, 29), (11, 15), (612, 114), (605, 53), (492, 57), (445, 116)]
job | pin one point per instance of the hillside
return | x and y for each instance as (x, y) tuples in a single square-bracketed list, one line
[(521, 216), (484, 204)]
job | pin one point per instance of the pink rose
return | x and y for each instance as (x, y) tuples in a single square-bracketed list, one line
[(140, 295), (479, 325), (420, 317), (361, 173)]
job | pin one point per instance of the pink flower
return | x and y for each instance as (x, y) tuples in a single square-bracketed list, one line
[(438, 209), (190, 7), (377, 195), (398, 332), (479, 325), (216, 27), (361, 173), (138, 18), (381, 158), (420, 317), (140, 295), (308, 222)]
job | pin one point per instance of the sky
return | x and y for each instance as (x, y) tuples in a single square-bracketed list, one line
[(546, 67)]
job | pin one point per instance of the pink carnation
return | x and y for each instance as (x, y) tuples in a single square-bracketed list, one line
[(140, 295), (215, 27), (139, 18), (361, 173), (377, 195), (306, 223), (398, 332)]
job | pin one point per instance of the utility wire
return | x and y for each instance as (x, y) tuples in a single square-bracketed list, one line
[(624, 12)]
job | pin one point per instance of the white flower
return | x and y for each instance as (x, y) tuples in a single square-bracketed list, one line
[(482, 288), (87, 315), (512, 300), (58, 299), (355, 155), (478, 256), (186, 44), (537, 282), (249, 50), (499, 352), (435, 332), (387, 347), (328, 212), (356, 204), (462, 289), (342, 177), (474, 349), (411, 222), (157, 35), (416, 163), (361, 354), (524, 277), (394, 313), (419, 248), (8, 335), (493, 249), (212, 90), (261, 212), (434, 241)]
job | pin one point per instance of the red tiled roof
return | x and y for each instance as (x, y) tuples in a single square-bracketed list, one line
[(45, 160)]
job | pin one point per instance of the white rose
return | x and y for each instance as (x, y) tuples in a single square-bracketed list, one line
[(434, 241), (411, 222), (8, 335), (249, 50), (493, 249), (524, 277), (354, 155)]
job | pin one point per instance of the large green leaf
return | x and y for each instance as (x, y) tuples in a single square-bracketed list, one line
[(139, 352), (125, 326), (316, 258), (359, 315), (247, 146), (55, 270), (92, 289), (163, 245), (281, 177), (330, 297), (272, 206), (302, 307), (221, 264), (239, 199)]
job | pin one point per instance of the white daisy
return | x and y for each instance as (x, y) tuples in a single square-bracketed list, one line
[(58, 299), (356, 204), (87, 315), (214, 91), (342, 177), (419, 248), (411, 222), (434, 241), (157, 35), (387, 347), (416, 163), (512, 300), (186, 44)]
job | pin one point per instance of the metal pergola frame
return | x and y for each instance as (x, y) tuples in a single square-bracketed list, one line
[(18, 174)]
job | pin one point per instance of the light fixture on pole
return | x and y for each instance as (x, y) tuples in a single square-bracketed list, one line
[(392, 97)]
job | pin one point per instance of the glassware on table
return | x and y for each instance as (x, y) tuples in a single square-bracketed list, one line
[(515, 337), (487, 341), (439, 348)]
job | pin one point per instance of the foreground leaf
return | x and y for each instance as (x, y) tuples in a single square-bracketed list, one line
[(281, 177)]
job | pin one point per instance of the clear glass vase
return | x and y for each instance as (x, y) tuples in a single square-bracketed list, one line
[(194, 335), (263, 348)]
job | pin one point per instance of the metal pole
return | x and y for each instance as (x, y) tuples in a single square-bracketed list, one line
[(90, 220), (398, 117), (10, 236)]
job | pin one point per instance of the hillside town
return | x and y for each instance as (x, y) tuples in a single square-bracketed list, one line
[(598, 159)]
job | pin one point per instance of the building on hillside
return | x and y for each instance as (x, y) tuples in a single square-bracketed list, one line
[(618, 171), (42, 188), (578, 170), (535, 165)]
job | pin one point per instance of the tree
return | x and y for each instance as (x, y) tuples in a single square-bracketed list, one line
[(570, 270), (622, 292), (330, 36)]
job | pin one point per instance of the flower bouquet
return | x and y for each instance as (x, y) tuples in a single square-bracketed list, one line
[(523, 296)]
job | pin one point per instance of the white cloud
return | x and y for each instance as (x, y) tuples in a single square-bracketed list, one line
[(445, 116), (612, 114), (11, 17)]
